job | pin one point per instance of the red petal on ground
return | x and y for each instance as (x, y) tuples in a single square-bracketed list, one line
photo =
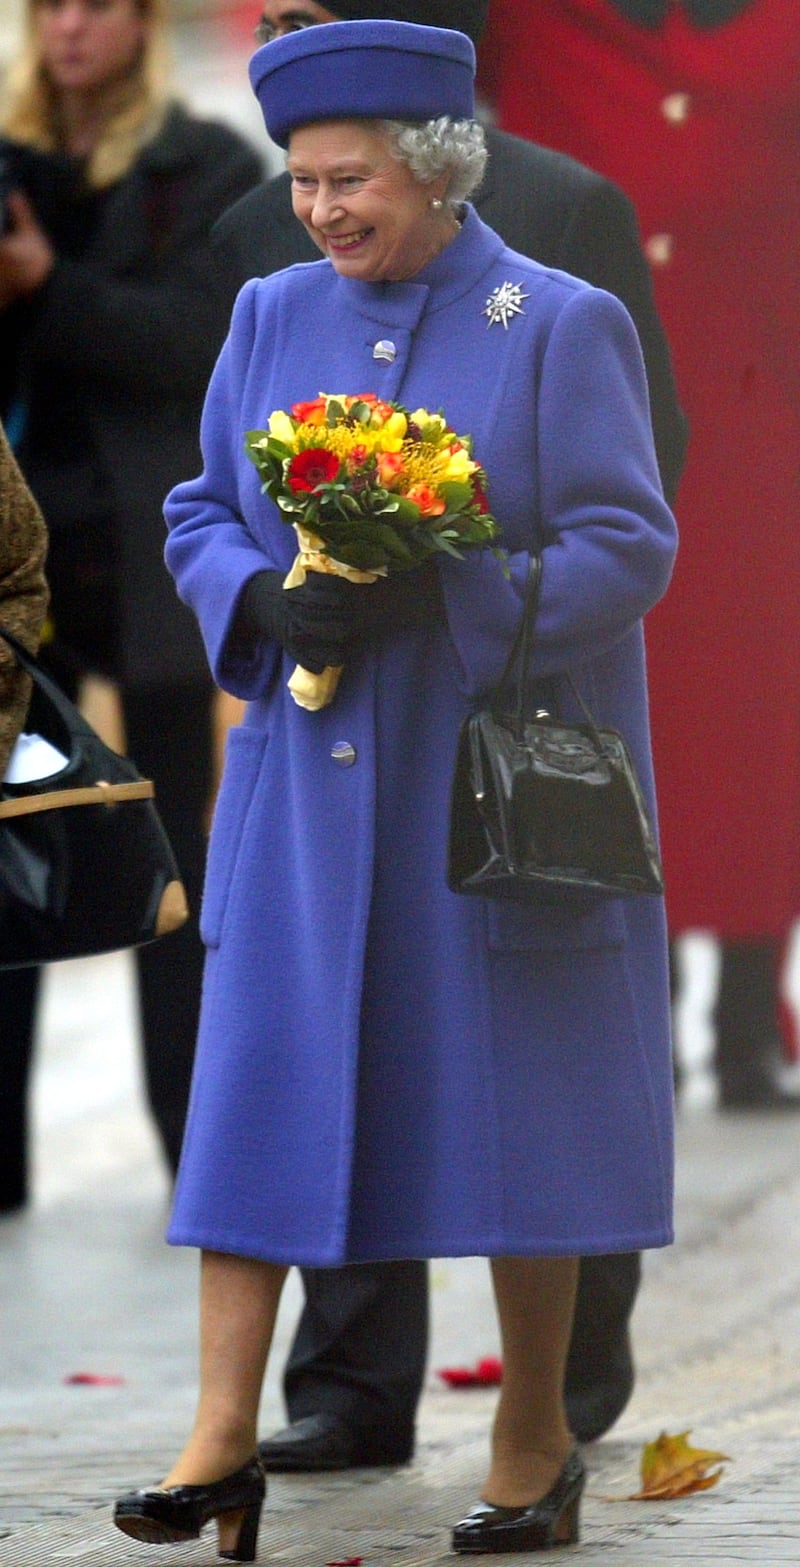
[(89, 1379), (487, 1373)]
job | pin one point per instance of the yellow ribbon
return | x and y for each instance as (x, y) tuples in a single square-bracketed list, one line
[(315, 691)]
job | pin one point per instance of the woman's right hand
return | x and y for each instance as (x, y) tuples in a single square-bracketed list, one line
[(26, 256), (312, 622)]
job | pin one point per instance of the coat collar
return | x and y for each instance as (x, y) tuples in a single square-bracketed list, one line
[(451, 275), (701, 13)]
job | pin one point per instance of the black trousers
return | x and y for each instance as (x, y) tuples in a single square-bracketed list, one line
[(361, 1344), (169, 734)]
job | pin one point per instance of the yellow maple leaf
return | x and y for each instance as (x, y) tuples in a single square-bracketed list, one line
[(670, 1468)]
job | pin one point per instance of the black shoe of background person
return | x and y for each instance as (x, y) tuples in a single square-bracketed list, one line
[(324, 1442), (594, 1406)]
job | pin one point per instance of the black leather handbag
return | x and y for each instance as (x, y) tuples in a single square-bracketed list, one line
[(538, 802), (85, 864)]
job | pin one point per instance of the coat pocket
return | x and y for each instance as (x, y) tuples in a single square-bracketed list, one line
[(243, 756), (561, 922)]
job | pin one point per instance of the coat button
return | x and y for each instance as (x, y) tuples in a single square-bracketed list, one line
[(659, 248), (676, 107), (343, 753)]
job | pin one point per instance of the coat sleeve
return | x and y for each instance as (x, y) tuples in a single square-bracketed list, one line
[(23, 590), (210, 550), (601, 244), (152, 327), (608, 537)]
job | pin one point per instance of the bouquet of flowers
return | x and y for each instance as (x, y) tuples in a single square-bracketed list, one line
[(370, 488)]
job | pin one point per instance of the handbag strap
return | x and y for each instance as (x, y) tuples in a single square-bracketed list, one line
[(520, 652), (87, 794), (519, 659)]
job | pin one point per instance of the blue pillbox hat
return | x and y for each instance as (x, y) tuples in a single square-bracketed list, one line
[(363, 70)]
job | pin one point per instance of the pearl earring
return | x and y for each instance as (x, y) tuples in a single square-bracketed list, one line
[(436, 204)]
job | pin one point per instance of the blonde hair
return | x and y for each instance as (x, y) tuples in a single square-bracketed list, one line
[(136, 112)]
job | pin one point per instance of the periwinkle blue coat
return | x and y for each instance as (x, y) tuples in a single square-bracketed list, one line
[(385, 1068)]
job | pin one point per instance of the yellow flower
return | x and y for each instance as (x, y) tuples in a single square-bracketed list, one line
[(280, 425), (460, 465), (433, 426), (393, 432)]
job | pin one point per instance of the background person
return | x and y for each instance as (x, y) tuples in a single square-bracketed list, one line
[(693, 108), (330, 1121), (356, 1367), (23, 594), (23, 604), (112, 307)]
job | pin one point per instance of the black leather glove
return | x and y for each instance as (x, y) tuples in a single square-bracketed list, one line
[(312, 622), (395, 603), (316, 621)]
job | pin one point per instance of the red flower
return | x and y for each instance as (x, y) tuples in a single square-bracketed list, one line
[(311, 468)]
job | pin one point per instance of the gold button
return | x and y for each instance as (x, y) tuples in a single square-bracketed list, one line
[(659, 249), (675, 107)]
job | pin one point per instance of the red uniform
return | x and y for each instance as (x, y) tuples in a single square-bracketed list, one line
[(697, 117)]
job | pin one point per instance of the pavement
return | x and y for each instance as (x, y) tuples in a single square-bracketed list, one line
[(89, 1289)]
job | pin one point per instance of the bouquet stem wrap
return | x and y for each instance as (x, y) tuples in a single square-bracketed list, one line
[(308, 690)]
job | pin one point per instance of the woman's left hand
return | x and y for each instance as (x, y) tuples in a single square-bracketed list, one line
[(394, 603), (26, 256)]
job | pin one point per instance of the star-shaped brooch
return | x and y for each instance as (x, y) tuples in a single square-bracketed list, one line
[(505, 302)]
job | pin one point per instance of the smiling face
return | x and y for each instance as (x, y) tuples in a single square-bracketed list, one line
[(362, 207), (88, 45)]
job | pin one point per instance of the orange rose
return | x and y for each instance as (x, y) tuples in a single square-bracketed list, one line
[(310, 413), (378, 406), (429, 503), (390, 468)]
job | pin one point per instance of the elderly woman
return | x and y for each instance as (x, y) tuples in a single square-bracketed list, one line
[(386, 1069), (23, 590)]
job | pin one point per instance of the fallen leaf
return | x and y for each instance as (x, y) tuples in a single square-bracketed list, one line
[(487, 1373), (671, 1468), (347, 1561)]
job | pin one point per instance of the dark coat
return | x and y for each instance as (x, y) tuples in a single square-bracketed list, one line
[(699, 121), (132, 331), (23, 590), (543, 204), (385, 1068)]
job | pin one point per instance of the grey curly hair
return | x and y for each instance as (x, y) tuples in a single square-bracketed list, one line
[(442, 146)]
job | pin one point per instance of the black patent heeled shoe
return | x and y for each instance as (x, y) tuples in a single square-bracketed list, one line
[(164, 1516), (552, 1521)]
